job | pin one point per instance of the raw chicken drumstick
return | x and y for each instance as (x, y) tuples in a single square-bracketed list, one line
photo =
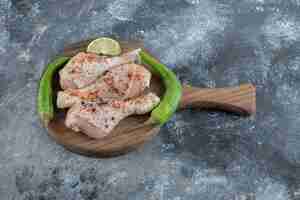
[(84, 68), (119, 83), (97, 121)]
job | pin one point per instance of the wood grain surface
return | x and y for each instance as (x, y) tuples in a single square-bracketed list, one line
[(133, 131)]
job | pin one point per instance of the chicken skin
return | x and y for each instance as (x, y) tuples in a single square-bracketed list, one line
[(97, 121), (85, 68), (119, 83)]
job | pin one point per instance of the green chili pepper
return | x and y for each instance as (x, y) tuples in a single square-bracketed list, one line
[(45, 98), (168, 105)]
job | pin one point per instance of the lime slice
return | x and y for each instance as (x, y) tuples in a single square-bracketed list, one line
[(104, 46)]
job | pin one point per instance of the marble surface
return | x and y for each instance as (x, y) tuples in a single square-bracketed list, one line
[(198, 154)]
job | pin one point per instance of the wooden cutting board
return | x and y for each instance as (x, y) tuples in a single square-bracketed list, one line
[(132, 133)]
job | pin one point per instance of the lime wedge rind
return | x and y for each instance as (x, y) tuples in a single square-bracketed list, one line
[(104, 46)]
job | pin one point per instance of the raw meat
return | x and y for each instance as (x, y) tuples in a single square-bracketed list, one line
[(119, 83), (97, 121), (84, 68)]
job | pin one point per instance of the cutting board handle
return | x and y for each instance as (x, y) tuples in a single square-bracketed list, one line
[(240, 99)]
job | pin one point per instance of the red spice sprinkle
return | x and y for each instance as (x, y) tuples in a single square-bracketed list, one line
[(129, 75), (117, 104), (91, 56)]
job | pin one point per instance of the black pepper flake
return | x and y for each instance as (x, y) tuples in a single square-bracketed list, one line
[(106, 126), (113, 118)]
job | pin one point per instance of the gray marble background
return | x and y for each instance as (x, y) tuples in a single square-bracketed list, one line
[(198, 154)]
